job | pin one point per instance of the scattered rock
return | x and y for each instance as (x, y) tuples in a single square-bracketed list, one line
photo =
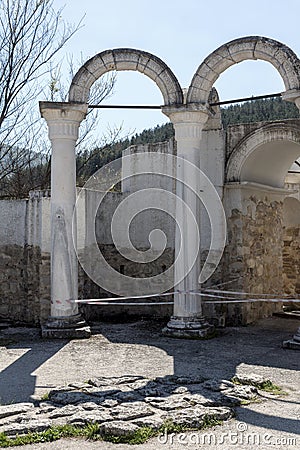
[(121, 405), (252, 379)]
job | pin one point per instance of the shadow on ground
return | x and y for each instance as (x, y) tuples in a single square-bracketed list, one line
[(254, 349)]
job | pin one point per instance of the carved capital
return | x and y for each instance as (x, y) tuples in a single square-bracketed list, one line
[(63, 119), (293, 95), (188, 120)]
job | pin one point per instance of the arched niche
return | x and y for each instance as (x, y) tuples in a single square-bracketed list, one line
[(265, 155)]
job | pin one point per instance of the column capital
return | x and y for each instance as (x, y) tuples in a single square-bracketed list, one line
[(188, 120), (63, 118), (293, 95)]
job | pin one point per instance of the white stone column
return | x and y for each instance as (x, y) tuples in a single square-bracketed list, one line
[(63, 120), (187, 320)]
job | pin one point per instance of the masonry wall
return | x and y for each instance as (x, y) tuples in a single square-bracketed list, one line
[(24, 261), (291, 247), (261, 255), (253, 255)]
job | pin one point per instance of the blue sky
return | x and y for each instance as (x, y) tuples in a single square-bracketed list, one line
[(182, 33)]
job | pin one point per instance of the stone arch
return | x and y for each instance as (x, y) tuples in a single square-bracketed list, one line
[(265, 155), (250, 47), (126, 59)]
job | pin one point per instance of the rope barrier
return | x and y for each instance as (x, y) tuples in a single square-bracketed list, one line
[(213, 298)]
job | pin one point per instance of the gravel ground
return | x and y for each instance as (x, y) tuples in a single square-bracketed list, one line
[(31, 367)]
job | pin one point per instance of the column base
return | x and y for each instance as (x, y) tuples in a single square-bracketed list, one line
[(189, 328), (293, 343), (66, 327)]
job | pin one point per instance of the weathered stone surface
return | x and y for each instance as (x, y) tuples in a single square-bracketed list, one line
[(154, 421), (218, 385), (95, 416), (251, 379), (23, 428), (108, 403), (45, 407), (187, 405), (127, 396), (130, 411), (68, 410), (244, 392), (72, 397), (16, 408), (118, 428), (108, 381), (168, 403), (89, 406), (193, 418)]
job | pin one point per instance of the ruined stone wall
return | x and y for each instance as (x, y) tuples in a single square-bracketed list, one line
[(291, 245), (291, 261), (253, 254), (89, 289), (24, 260)]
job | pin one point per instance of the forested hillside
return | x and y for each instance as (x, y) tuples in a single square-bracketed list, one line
[(259, 111), (27, 178), (252, 111)]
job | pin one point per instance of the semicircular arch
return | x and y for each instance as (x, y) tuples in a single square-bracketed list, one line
[(246, 48), (126, 59), (265, 155)]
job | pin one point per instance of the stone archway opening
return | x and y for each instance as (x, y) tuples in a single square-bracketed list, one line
[(126, 59), (133, 88), (247, 48), (252, 78), (188, 118)]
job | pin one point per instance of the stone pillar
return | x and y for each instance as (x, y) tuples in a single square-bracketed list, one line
[(63, 120), (187, 320), (293, 96)]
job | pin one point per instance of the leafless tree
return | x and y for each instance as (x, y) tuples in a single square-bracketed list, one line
[(32, 33)]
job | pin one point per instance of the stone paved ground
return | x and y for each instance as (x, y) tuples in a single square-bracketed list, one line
[(31, 368)]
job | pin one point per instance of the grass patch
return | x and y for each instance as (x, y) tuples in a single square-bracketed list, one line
[(92, 431), (45, 397), (138, 437), (267, 386), (52, 434), (251, 400)]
